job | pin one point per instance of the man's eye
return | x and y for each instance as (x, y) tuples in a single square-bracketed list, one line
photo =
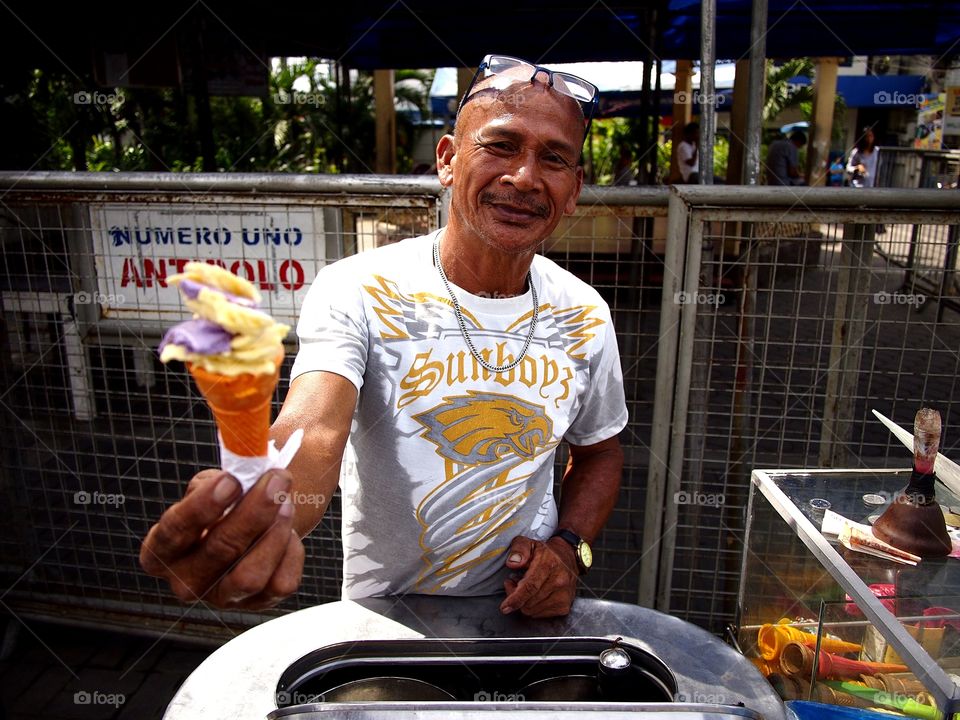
[(554, 159)]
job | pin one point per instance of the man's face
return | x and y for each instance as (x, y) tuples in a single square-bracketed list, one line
[(513, 162)]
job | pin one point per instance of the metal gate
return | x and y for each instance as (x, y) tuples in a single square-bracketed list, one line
[(781, 328), (756, 328)]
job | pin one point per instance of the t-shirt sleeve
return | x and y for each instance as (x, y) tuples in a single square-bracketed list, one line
[(603, 413), (332, 328)]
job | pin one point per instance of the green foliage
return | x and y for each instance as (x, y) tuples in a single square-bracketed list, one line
[(780, 94), (321, 127)]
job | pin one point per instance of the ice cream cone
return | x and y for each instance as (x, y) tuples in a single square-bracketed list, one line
[(241, 407), (772, 639)]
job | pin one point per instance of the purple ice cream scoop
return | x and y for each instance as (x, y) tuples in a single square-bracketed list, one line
[(198, 336), (192, 288)]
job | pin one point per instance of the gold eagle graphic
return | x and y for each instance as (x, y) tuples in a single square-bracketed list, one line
[(483, 427)]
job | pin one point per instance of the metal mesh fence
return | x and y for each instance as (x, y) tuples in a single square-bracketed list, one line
[(616, 242), (752, 334), (802, 326), (99, 437)]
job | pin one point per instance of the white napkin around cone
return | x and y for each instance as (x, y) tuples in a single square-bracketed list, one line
[(247, 470)]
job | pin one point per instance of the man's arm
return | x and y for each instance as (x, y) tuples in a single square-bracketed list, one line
[(322, 403), (588, 494), (246, 552)]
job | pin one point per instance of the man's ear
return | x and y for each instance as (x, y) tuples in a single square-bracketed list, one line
[(446, 150), (571, 207)]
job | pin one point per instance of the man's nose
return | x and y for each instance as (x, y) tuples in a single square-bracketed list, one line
[(525, 175)]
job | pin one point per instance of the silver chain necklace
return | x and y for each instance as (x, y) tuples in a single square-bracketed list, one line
[(463, 324)]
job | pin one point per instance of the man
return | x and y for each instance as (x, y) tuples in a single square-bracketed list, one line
[(463, 360), (783, 160), (687, 156)]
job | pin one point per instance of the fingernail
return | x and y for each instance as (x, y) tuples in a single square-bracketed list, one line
[(286, 508), (515, 558), (506, 610), (225, 489), (276, 485)]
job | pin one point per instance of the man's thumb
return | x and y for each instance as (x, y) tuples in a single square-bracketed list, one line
[(520, 553)]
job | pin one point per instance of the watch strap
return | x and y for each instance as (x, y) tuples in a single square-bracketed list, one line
[(575, 541)]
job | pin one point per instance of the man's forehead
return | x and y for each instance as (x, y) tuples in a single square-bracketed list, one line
[(514, 90)]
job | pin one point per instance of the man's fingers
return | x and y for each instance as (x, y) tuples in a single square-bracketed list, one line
[(285, 579), (231, 538), (521, 552), (181, 527), (526, 589), (254, 571)]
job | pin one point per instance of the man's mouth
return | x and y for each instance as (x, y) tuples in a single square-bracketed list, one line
[(517, 212)]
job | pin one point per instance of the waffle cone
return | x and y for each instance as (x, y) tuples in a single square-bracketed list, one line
[(241, 407)]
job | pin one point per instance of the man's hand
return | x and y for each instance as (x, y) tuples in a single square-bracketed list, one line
[(549, 582), (248, 558)]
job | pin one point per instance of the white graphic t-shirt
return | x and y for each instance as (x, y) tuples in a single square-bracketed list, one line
[(448, 462)]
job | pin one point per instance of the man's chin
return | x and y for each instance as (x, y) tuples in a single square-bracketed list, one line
[(518, 237)]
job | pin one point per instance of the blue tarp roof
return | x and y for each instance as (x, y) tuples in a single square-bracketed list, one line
[(440, 33), (857, 91)]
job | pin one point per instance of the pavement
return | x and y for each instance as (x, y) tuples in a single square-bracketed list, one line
[(55, 672)]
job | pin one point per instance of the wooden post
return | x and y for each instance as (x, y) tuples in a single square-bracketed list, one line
[(824, 96), (738, 123), (682, 111), (386, 122)]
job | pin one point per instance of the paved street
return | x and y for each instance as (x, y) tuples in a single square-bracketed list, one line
[(56, 672)]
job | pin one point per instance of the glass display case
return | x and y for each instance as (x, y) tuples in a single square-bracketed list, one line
[(830, 624)]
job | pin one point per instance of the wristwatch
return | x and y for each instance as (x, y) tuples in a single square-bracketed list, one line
[(580, 546)]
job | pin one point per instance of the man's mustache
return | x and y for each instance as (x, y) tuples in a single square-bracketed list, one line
[(516, 200)]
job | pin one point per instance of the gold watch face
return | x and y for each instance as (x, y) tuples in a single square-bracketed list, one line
[(585, 553)]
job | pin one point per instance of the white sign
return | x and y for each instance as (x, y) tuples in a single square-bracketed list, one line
[(279, 249)]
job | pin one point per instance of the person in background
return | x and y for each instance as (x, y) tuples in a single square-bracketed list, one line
[(783, 160), (862, 165), (835, 175), (623, 173), (687, 156)]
